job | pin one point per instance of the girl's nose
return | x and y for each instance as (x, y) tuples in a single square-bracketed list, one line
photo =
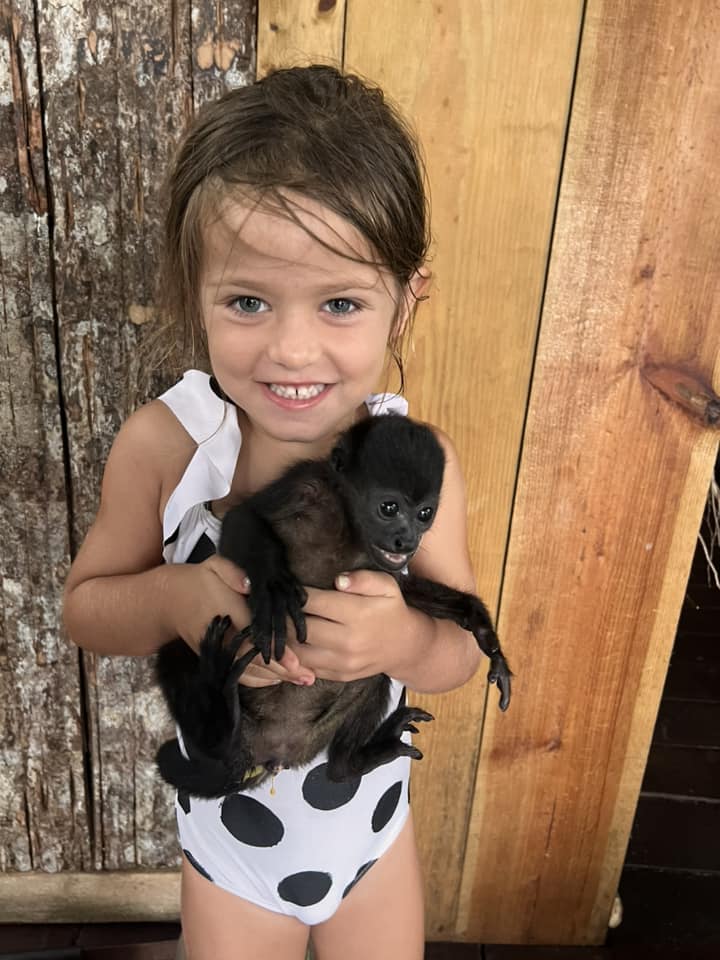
[(294, 343)]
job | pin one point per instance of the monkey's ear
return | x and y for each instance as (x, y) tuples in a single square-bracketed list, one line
[(339, 455)]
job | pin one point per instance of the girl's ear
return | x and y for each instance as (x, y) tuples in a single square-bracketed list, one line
[(415, 290)]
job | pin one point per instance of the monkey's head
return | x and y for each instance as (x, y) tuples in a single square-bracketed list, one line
[(391, 469)]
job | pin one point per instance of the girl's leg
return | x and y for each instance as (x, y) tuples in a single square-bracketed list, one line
[(382, 917), (220, 926)]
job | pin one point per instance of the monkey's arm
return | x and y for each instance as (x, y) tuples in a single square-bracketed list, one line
[(468, 611), (249, 540)]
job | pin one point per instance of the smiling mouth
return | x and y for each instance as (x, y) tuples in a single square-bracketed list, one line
[(306, 391), (391, 561)]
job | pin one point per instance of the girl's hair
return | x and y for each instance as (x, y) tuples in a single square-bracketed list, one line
[(328, 136)]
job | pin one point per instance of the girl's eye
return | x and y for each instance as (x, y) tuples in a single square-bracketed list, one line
[(249, 305), (341, 307)]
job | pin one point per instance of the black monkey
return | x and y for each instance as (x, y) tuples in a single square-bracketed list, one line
[(367, 506)]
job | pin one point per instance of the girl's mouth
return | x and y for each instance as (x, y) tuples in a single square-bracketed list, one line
[(300, 392), (297, 396)]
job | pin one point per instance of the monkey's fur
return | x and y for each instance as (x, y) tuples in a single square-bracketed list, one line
[(367, 506)]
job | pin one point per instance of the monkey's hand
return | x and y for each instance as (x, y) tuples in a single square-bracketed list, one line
[(500, 673), (272, 601)]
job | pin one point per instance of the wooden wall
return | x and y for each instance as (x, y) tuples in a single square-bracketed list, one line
[(571, 151)]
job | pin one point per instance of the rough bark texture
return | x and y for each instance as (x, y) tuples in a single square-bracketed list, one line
[(119, 82), (43, 813)]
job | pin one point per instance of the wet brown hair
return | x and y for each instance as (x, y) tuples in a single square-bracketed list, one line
[(317, 132)]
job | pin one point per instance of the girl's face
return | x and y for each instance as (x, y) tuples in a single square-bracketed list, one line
[(296, 332)]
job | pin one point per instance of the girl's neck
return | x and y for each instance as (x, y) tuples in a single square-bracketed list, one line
[(263, 458)]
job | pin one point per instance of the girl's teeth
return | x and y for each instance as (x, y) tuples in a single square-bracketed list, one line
[(297, 393)]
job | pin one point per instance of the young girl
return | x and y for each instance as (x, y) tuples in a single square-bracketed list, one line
[(295, 240)]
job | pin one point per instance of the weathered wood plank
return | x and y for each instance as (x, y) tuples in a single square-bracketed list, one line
[(116, 90), (223, 47), (107, 897), (613, 477), (487, 86), (119, 89), (306, 31), (43, 813)]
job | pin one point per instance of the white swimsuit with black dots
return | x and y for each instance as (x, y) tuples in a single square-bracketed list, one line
[(299, 844)]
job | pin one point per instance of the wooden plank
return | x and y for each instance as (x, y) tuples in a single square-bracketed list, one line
[(683, 771), (118, 90), (107, 897), (676, 833), (669, 907), (487, 85), (43, 812), (303, 32), (223, 47), (688, 723), (613, 477)]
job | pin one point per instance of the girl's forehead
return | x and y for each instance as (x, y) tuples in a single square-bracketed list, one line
[(259, 237)]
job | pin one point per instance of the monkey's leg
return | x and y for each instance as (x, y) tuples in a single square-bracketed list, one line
[(467, 610), (202, 694), (275, 592), (349, 757)]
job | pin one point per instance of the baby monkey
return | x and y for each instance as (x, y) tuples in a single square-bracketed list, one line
[(366, 506)]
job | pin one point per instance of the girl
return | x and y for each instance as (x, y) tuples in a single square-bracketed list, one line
[(295, 242)]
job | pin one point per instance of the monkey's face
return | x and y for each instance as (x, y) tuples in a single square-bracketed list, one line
[(393, 525)]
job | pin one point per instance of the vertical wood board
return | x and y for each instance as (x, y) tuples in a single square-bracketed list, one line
[(43, 812), (303, 32), (119, 87), (487, 86), (613, 477)]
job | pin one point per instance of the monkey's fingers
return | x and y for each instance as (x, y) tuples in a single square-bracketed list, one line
[(279, 625), (500, 674)]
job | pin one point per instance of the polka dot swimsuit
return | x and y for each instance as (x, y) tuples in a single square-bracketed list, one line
[(299, 842)]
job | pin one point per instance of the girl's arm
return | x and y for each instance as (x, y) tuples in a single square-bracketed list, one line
[(119, 596), (367, 628)]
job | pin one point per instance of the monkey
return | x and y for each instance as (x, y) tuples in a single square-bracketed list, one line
[(366, 506)]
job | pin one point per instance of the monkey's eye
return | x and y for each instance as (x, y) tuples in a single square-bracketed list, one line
[(425, 515), (388, 508)]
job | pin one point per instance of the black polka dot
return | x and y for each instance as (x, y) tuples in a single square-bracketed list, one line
[(305, 889), (324, 794), (250, 821), (358, 876), (193, 862), (387, 805), (183, 798)]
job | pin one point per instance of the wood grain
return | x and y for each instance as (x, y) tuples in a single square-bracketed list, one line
[(107, 897), (487, 86), (118, 88), (299, 33), (43, 809), (613, 477)]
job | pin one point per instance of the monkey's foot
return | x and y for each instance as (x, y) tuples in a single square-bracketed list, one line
[(500, 674), (386, 744), (218, 670)]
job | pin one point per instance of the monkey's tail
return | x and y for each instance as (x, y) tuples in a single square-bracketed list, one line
[(202, 776)]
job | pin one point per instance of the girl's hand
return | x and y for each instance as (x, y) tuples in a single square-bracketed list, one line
[(362, 628), (216, 586)]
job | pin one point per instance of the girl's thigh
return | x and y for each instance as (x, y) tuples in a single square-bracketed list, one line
[(382, 917), (220, 926)]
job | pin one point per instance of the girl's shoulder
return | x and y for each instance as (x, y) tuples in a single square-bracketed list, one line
[(153, 444)]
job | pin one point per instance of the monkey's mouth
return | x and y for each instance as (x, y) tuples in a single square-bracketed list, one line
[(391, 561)]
